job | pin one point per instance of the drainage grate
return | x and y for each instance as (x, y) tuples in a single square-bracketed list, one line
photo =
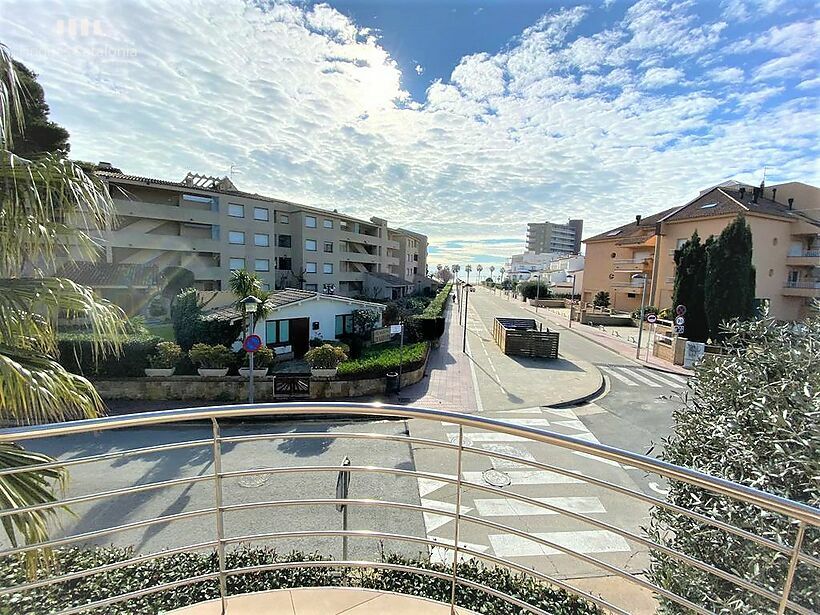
[(496, 478), (254, 481)]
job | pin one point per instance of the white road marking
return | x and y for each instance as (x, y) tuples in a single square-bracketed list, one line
[(592, 541), (634, 373), (433, 521), (507, 507), (428, 485), (522, 477), (506, 449), (658, 489), (572, 424), (618, 376), (520, 411), (470, 438), (562, 412), (665, 378)]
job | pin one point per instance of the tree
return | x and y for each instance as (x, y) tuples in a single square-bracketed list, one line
[(36, 135), (467, 270), (444, 274), (689, 289), (363, 323), (534, 290), (752, 418), (174, 279), (244, 284), (190, 327), (730, 277), (492, 269), (601, 299), (42, 201)]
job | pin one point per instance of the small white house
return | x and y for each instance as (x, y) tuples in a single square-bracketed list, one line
[(297, 316)]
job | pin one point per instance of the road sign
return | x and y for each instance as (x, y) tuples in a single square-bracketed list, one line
[(394, 329), (252, 343), (680, 310), (651, 318), (678, 329), (343, 484), (679, 320)]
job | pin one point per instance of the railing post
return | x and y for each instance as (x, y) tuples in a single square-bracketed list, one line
[(220, 524), (454, 580), (787, 586)]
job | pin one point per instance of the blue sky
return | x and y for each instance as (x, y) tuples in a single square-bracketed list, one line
[(463, 120)]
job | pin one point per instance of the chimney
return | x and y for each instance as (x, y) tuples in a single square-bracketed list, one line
[(742, 192), (755, 194), (638, 220), (791, 203), (774, 194)]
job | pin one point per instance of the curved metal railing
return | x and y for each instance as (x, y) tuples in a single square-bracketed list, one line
[(804, 516)]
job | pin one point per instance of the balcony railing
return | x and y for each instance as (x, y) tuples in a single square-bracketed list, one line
[(802, 284), (804, 254), (225, 463)]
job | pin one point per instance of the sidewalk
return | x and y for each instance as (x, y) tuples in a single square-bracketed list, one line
[(615, 344)]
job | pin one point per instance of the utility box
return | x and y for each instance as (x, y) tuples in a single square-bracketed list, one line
[(520, 336)]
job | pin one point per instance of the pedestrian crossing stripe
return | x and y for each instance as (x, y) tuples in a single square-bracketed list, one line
[(629, 375), (508, 507), (592, 541), (524, 477)]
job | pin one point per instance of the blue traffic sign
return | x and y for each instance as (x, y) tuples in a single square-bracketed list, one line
[(252, 343)]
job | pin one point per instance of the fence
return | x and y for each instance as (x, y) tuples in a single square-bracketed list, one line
[(520, 336)]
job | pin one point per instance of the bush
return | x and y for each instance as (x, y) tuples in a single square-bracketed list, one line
[(167, 355), (325, 357), (156, 307), (376, 361), (752, 418), (190, 328), (601, 299), (648, 309), (77, 355), (666, 314), (263, 358), (211, 357), (439, 303), (531, 290), (180, 566)]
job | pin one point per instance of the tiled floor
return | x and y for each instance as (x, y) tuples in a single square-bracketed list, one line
[(321, 601)]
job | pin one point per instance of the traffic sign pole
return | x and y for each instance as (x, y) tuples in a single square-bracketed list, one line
[(342, 488)]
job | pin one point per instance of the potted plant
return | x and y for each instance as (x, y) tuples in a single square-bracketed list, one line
[(212, 360), (324, 360), (263, 358), (164, 360)]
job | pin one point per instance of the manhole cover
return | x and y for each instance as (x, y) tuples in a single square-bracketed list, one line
[(495, 478), (254, 480)]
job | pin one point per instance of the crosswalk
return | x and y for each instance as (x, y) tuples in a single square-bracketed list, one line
[(640, 376)]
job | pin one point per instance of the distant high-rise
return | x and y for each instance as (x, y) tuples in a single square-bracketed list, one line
[(548, 237)]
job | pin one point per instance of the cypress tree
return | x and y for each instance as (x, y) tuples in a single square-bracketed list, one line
[(730, 277), (690, 280)]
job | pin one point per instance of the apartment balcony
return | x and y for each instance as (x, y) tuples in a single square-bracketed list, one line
[(358, 257), (160, 211), (148, 241), (212, 487), (634, 265), (631, 284), (804, 258), (801, 288)]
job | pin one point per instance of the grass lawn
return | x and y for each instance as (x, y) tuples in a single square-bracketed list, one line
[(164, 330)]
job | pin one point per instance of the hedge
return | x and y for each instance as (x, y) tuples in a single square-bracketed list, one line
[(77, 355), (376, 361), (437, 305), (167, 569)]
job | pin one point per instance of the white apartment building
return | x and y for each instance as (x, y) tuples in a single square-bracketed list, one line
[(208, 226), (519, 267)]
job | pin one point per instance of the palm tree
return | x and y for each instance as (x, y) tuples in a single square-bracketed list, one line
[(48, 203), (478, 269), (245, 284), (492, 268), (468, 269), (455, 269), (501, 274)]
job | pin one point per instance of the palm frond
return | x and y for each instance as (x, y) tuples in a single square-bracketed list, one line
[(11, 109)]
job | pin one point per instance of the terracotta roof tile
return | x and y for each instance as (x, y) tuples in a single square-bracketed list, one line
[(634, 233)]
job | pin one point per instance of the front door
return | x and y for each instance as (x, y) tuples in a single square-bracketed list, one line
[(300, 336)]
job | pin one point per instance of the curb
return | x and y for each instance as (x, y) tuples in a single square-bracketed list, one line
[(584, 398)]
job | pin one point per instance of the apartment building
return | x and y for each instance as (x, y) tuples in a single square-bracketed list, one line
[(785, 224), (520, 267), (205, 224), (549, 237)]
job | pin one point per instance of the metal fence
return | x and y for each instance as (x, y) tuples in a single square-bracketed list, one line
[(804, 517)]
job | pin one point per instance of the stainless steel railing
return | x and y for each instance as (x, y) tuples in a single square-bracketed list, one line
[(805, 516)]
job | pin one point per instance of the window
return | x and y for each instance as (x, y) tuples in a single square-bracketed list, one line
[(708, 206), (261, 264), (613, 233), (261, 239), (327, 223), (310, 221), (277, 332), (236, 211), (327, 268), (312, 287), (261, 213), (284, 241), (236, 237), (680, 242), (310, 267), (283, 263), (310, 245), (282, 218), (195, 198), (344, 324), (328, 246), (237, 263)]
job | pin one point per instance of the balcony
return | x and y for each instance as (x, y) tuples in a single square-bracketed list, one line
[(162, 211), (634, 265), (631, 284), (212, 487), (804, 258), (802, 288), (148, 241)]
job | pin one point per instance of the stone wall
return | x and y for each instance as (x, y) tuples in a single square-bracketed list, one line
[(547, 303), (611, 320)]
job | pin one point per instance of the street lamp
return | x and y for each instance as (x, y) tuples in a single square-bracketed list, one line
[(640, 276), (571, 298), (537, 291), (250, 303)]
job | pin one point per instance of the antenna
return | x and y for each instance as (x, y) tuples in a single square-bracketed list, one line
[(233, 170), (763, 183)]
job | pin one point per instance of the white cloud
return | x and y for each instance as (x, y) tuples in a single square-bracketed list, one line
[(745, 10), (419, 69), (311, 107)]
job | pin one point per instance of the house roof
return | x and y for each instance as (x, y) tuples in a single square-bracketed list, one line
[(109, 275), (282, 298), (389, 278), (725, 201), (632, 233)]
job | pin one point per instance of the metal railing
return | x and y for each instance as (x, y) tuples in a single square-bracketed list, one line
[(460, 445)]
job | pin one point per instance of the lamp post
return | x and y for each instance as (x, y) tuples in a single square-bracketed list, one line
[(466, 298), (251, 303), (640, 276), (537, 291), (571, 298)]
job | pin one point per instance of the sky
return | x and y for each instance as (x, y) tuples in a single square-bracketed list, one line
[(462, 120)]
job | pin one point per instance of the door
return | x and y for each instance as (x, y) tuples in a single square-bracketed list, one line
[(300, 336)]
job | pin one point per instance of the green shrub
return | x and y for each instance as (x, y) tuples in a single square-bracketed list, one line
[(76, 354), (534, 290), (439, 303), (180, 566), (601, 299), (156, 307), (263, 357), (190, 328), (666, 314), (648, 309), (325, 357), (211, 357), (376, 361), (166, 356)]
